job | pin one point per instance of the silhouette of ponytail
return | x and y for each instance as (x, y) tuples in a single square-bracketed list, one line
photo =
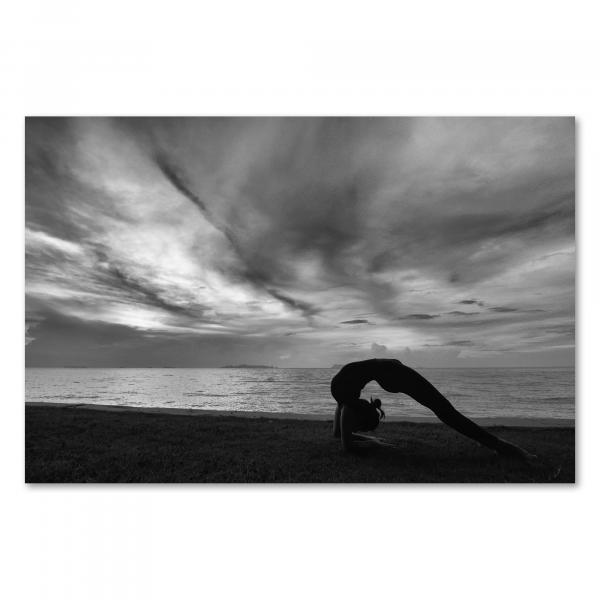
[(377, 404)]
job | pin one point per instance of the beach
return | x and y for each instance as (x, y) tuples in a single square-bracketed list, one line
[(83, 444)]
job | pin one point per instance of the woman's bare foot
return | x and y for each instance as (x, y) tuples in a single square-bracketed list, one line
[(512, 451)]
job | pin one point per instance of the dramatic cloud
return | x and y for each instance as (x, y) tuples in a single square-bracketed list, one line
[(379, 350), (210, 241)]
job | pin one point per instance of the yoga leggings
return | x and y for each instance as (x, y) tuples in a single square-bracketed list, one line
[(400, 378)]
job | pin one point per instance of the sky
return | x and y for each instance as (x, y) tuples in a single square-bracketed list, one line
[(200, 242)]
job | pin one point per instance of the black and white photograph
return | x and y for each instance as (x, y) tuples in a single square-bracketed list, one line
[(300, 299)]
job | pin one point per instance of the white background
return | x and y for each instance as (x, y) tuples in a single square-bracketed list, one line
[(280, 58)]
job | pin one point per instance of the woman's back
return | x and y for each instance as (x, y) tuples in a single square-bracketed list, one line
[(348, 382)]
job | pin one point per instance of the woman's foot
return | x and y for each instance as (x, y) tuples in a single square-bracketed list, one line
[(512, 451)]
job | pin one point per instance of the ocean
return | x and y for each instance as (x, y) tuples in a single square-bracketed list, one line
[(521, 393)]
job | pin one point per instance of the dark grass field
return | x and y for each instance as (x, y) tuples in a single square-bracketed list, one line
[(66, 444)]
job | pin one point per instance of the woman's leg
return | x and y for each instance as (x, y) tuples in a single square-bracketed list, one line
[(417, 387)]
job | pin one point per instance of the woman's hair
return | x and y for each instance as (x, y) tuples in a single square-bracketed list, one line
[(377, 404)]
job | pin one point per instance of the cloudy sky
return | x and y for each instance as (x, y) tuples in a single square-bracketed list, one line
[(300, 242)]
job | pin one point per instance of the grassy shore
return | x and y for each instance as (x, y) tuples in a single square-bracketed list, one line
[(68, 444)]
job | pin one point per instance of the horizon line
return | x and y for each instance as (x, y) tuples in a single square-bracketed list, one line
[(290, 367)]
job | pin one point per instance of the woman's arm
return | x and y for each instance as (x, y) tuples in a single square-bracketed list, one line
[(336, 422), (346, 425), (351, 440)]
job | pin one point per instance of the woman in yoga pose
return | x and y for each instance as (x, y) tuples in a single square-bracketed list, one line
[(355, 414)]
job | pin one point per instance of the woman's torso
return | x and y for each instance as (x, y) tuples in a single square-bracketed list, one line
[(348, 383)]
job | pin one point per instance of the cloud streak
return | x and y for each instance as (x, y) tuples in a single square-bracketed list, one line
[(248, 271)]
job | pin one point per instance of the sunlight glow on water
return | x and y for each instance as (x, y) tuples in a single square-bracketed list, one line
[(523, 393)]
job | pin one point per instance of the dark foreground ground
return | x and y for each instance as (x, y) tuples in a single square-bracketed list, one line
[(65, 444)]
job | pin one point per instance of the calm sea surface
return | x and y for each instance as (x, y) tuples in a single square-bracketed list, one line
[(516, 393)]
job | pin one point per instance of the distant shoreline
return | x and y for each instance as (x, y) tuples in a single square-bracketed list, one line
[(245, 367), (484, 421)]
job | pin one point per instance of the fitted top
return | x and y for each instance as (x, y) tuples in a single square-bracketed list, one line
[(349, 381)]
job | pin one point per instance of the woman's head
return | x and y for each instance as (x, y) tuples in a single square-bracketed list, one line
[(377, 404)]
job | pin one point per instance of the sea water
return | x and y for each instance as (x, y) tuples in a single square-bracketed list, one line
[(524, 393)]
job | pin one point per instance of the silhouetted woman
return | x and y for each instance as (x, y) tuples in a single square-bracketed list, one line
[(355, 414)]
